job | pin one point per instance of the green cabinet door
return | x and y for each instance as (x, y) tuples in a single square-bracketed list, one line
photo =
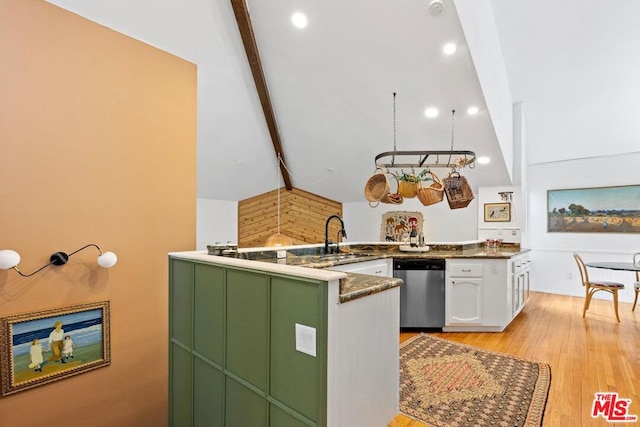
[(295, 376), (181, 302), (244, 407), (181, 392), (279, 418), (208, 395), (208, 323), (247, 326)]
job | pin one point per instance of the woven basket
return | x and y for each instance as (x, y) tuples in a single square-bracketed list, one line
[(432, 194), (377, 186), (393, 198), (458, 191), (407, 189)]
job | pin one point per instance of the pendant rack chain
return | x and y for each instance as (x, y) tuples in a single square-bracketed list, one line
[(425, 158), (453, 114), (394, 122)]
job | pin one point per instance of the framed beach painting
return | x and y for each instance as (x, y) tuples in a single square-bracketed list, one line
[(594, 210), (40, 347)]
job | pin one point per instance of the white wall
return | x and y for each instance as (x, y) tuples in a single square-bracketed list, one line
[(507, 231), (520, 165), (478, 23), (217, 221), (441, 224), (553, 268)]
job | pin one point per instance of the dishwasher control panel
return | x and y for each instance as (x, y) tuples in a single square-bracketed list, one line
[(418, 264)]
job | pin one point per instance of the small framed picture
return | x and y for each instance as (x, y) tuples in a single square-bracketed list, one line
[(497, 212), (40, 347)]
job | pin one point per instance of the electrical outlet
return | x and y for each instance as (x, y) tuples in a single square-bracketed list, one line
[(569, 276), (306, 339)]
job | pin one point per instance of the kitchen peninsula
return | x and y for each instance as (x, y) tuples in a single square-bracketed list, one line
[(261, 340)]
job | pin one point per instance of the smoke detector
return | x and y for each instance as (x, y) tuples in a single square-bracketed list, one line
[(436, 7)]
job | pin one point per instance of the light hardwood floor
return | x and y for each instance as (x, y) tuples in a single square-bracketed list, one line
[(594, 354)]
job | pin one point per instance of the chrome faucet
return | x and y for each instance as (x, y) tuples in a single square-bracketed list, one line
[(326, 233)]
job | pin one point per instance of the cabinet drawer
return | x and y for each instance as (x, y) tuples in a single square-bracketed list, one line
[(374, 268), (465, 270), (519, 264)]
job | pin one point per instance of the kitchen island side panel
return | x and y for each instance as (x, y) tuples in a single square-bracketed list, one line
[(236, 360), (180, 339)]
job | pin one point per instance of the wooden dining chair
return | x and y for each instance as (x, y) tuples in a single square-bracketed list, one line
[(636, 285), (593, 286)]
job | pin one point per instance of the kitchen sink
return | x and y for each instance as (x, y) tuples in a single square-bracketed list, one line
[(340, 257)]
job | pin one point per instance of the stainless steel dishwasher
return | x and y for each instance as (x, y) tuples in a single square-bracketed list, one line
[(422, 294)]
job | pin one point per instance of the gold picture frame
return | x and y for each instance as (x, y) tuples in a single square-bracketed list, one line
[(497, 212), (594, 210), (41, 347)]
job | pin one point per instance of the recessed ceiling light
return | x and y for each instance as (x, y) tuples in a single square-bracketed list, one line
[(299, 19), (431, 112), (472, 111), (449, 48), (483, 160)]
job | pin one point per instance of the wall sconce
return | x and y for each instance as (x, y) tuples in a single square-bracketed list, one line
[(10, 259)]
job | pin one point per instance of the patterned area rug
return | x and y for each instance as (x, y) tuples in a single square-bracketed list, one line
[(443, 383)]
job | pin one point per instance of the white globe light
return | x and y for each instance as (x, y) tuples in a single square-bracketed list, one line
[(9, 259), (299, 20), (449, 48), (107, 259), (472, 111), (483, 160), (431, 112)]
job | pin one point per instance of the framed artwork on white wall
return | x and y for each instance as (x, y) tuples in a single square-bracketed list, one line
[(497, 212), (594, 210)]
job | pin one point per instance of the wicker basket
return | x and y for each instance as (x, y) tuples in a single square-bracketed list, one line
[(393, 198), (407, 189), (458, 191), (377, 186), (432, 194)]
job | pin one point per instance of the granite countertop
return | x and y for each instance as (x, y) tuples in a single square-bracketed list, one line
[(359, 285), (354, 285)]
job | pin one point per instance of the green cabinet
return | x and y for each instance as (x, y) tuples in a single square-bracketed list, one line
[(233, 357)]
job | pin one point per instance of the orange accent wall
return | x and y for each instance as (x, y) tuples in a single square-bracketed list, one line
[(97, 145)]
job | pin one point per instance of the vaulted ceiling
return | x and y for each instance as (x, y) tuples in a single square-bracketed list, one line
[(572, 64)]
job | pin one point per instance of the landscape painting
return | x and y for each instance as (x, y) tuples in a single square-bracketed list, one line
[(44, 346), (594, 210)]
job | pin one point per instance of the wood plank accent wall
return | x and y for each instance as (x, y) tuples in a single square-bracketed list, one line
[(302, 217)]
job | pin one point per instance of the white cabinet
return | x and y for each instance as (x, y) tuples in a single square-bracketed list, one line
[(463, 292), (376, 267), (520, 268), (485, 294)]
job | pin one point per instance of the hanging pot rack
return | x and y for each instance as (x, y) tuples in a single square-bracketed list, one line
[(425, 159)]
